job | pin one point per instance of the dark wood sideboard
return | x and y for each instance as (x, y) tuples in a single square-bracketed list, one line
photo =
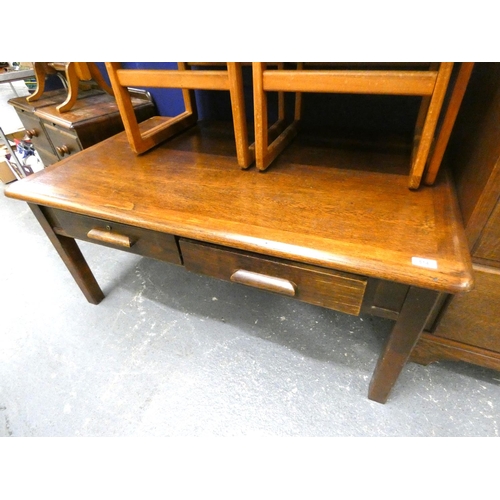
[(469, 325), (93, 118)]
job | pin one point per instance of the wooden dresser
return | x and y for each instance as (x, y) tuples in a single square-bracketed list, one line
[(93, 118), (469, 327)]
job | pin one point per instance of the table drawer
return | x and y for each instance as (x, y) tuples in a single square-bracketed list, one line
[(323, 287), (132, 239)]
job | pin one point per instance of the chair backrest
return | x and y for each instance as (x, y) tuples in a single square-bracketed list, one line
[(430, 82), (142, 138)]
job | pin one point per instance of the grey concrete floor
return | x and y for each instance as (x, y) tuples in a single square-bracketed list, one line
[(171, 353)]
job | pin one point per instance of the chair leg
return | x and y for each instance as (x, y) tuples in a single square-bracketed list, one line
[(265, 153), (298, 97), (244, 154), (260, 116), (73, 82), (41, 71), (98, 78), (449, 120), (431, 119), (161, 129)]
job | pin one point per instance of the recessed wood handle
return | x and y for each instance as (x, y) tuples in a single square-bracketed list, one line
[(264, 282), (31, 133), (108, 236)]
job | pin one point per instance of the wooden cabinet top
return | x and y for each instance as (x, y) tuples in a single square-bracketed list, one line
[(92, 105), (322, 203), (50, 98)]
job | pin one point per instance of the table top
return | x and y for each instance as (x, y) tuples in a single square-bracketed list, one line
[(323, 202)]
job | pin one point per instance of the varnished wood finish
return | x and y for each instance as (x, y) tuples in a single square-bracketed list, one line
[(267, 150), (335, 208), (384, 298), (244, 151), (431, 349), (475, 149), (42, 70), (93, 118), (209, 201), (64, 141), (204, 80), (73, 259), (357, 82), (108, 236), (264, 282), (141, 140), (335, 218), (468, 327), (402, 340), (73, 72), (430, 124), (93, 108), (315, 285), (36, 132), (488, 246), (432, 84), (133, 239), (476, 314), (424, 108), (450, 116)]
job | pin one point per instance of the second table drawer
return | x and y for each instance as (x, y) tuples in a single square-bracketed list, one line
[(335, 290), (133, 239)]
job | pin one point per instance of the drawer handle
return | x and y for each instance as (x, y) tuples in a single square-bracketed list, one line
[(32, 133), (63, 150), (107, 236), (264, 282)]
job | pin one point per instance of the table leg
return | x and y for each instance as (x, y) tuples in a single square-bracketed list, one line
[(416, 309), (71, 255)]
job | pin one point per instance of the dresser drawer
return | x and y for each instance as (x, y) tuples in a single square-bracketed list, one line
[(132, 239), (64, 142), (323, 287), (34, 130)]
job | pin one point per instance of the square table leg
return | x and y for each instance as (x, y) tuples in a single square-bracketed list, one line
[(416, 309), (72, 257)]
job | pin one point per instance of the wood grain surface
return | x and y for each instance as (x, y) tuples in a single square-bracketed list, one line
[(323, 203)]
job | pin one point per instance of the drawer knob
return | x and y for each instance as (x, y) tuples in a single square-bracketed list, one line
[(264, 282), (63, 150), (107, 236), (31, 133)]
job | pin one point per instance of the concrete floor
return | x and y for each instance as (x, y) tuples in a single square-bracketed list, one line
[(170, 353)]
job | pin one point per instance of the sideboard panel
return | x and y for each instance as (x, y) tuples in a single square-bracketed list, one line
[(488, 247)]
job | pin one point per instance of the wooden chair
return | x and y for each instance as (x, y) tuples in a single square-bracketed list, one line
[(230, 78), (73, 73), (448, 121), (431, 84)]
